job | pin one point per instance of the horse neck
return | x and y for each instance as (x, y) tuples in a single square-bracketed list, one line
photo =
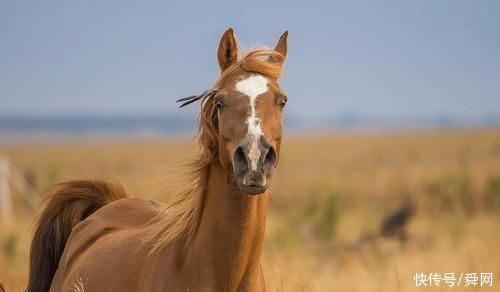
[(230, 236)]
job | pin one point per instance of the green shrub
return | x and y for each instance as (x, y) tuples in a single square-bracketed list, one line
[(492, 193), (322, 213), (451, 193), (327, 221), (9, 246), (54, 174)]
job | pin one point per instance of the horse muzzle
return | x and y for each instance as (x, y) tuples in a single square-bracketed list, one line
[(253, 165)]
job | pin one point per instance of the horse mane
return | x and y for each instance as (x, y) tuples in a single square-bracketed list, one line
[(182, 215)]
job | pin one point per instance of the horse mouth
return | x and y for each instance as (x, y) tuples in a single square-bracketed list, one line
[(252, 190)]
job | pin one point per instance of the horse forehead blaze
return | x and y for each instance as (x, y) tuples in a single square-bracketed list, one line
[(253, 87)]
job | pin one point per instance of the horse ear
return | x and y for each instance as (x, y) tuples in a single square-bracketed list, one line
[(227, 54), (281, 46)]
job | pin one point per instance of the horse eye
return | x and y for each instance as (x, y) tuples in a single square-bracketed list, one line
[(219, 105), (282, 103)]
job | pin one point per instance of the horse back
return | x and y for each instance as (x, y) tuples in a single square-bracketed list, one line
[(112, 235)]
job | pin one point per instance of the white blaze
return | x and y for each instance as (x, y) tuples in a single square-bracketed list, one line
[(253, 86)]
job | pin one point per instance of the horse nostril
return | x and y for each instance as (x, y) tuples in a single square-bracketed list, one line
[(240, 160), (270, 158)]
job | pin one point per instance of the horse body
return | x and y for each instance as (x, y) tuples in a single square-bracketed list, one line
[(107, 250), (92, 236)]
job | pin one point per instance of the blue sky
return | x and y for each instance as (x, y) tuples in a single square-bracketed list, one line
[(376, 58)]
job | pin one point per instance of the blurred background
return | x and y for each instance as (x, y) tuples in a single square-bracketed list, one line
[(390, 164)]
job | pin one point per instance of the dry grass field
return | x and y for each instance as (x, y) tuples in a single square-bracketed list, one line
[(329, 197)]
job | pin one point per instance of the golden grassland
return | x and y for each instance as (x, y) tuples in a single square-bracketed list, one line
[(328, 198)]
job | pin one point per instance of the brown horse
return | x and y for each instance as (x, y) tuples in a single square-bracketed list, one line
[(92, 237)]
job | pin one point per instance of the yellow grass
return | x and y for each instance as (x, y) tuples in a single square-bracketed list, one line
[(448, 175)]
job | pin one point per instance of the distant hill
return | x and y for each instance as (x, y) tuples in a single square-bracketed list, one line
[(181, 124)]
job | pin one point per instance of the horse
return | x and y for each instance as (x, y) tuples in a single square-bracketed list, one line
[(93, 236)]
